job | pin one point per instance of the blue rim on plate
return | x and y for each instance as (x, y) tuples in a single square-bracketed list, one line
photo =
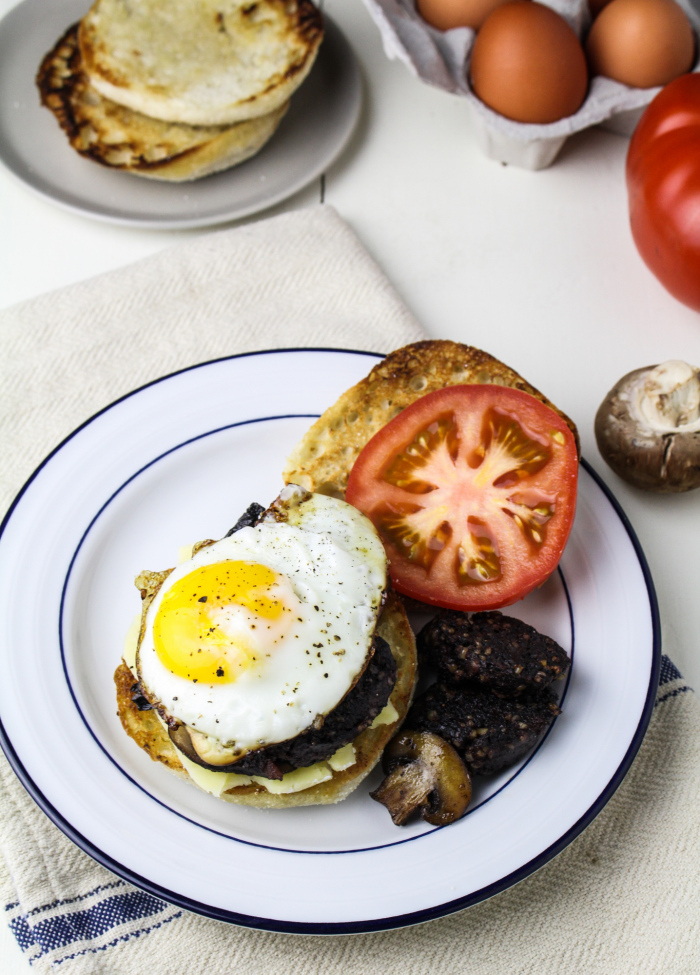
[(389, 922)]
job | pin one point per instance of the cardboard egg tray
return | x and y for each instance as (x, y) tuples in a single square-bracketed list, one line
[(441, 58)]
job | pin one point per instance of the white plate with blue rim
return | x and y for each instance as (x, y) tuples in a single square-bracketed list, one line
[(321, 119), (120, 495)]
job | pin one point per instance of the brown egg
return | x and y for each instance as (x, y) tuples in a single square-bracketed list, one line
[(528, 64), (642, 43), (595, 6), (446, 14)]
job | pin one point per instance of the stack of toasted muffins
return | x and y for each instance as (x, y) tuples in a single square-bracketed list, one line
[(178, 90)]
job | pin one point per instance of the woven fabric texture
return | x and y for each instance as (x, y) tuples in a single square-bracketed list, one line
[(624, 897)]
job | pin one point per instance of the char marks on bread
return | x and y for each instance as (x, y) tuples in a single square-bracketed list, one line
[(120, 138), (323, 458), (202, 62)]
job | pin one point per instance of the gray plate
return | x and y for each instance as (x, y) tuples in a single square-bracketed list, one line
[(320, 120)]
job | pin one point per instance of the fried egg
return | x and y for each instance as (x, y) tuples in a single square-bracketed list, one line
[(257, 635)]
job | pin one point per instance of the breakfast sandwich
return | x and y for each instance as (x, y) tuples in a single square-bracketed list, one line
[(273, 665), (203, 62), (120, 138)]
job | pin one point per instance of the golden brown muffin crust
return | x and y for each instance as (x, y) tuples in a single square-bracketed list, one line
[(322, 460)]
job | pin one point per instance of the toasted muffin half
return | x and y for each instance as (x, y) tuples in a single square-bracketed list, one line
[(203, 62), (122, 139), (322, 460), (149, 732)]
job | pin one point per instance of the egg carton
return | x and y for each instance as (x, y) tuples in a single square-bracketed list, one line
[(441, 58)]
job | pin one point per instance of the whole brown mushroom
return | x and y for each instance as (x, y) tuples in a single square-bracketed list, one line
[(648, 427)]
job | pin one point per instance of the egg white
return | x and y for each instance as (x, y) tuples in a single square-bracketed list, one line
[(333, 573)]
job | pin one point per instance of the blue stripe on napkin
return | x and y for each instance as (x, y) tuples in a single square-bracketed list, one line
[(110, 944), (671, 676), (59, 931), (66, 902), (65, 929), (669, 671)]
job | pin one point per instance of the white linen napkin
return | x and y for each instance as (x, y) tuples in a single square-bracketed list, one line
[(624, 897)]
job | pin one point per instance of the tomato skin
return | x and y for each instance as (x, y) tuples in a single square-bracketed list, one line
[(508, 466), (663, 182)]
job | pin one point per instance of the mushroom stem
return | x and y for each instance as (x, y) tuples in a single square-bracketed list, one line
[(668, 397)]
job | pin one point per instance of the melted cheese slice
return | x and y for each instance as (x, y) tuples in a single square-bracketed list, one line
[(296, 781), (213, 782), (344, 758), (387, 715)]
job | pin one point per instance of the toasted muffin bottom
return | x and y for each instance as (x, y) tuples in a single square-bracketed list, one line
[(122, 139)]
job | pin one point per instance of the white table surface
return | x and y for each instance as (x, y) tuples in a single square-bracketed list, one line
[(538, 268)]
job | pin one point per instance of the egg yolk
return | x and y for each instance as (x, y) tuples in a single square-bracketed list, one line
[(213, 623)]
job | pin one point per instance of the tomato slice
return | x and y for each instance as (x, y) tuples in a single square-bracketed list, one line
[(473, 491)]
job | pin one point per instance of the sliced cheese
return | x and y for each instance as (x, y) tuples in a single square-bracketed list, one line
[(387, 715), (213, 782), (217, 782), (296, 781), (184, 553), (131, 642), (343, 758)]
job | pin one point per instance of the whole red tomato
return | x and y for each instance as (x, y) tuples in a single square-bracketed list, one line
[(663, 180)]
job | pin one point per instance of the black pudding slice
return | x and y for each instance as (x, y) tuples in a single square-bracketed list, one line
[(499, 651), (489, 732), (249, 518)]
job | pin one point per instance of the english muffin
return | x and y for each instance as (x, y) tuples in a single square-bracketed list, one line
[(323, 458), (120, 138), (201, 62)]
